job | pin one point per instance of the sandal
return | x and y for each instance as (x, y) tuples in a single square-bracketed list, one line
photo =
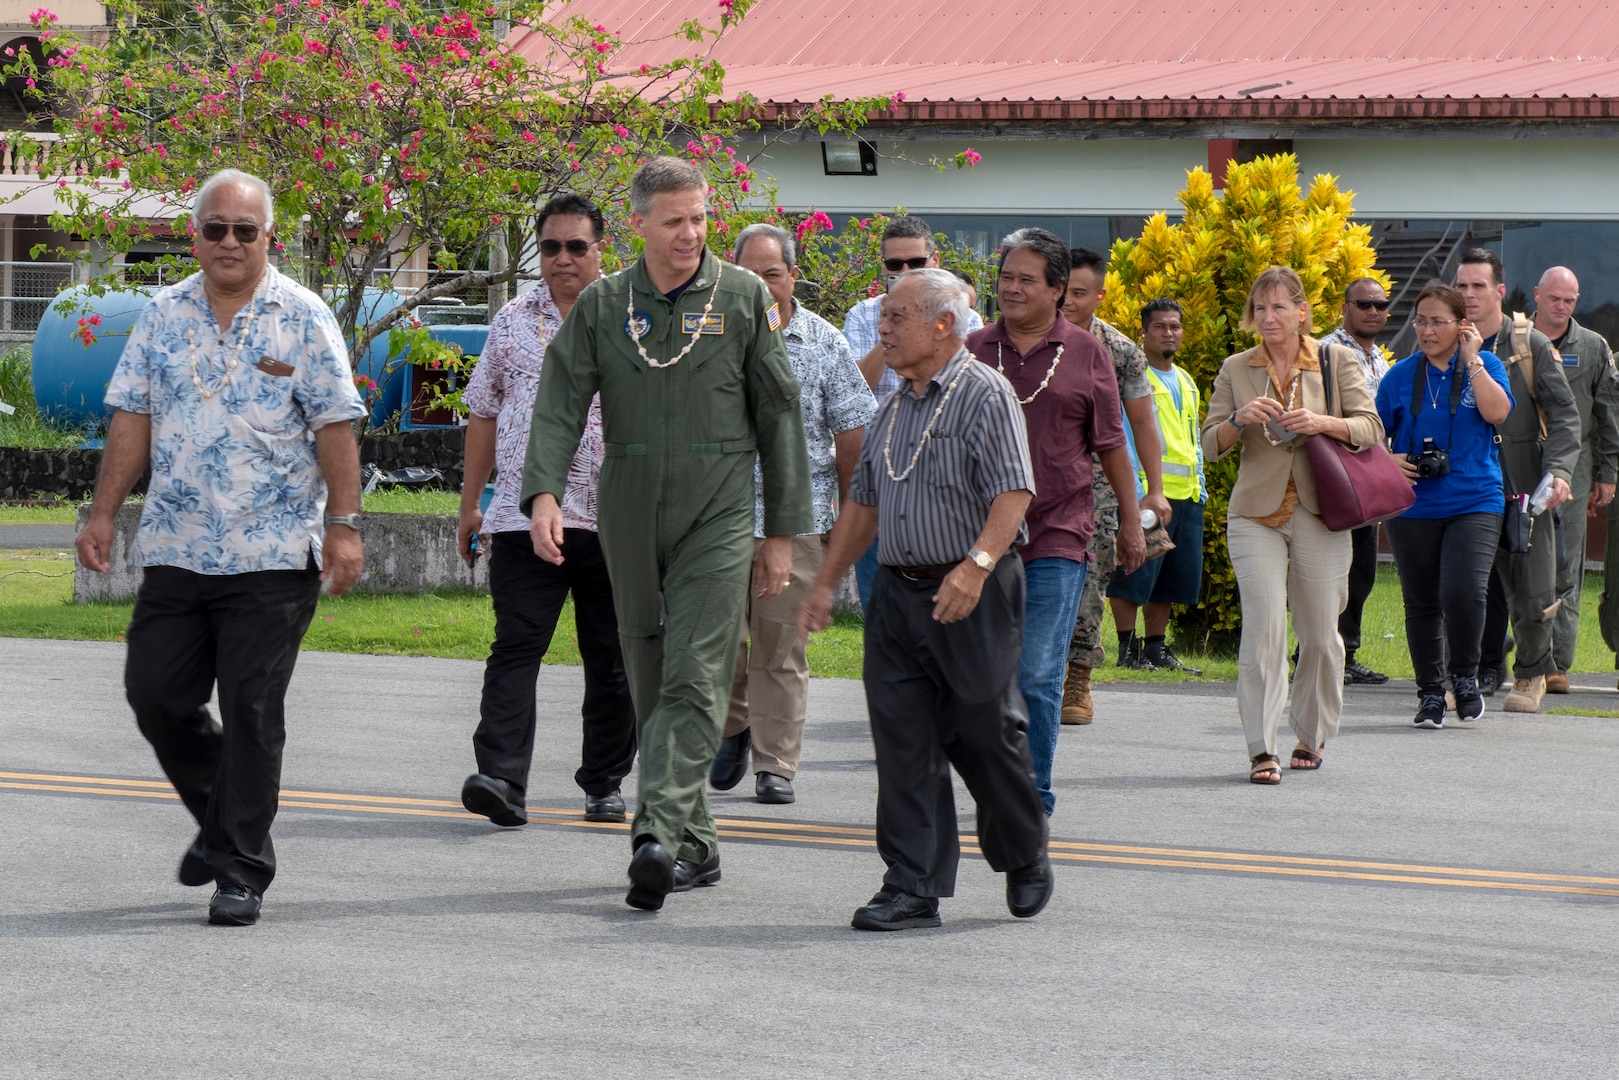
[(1304, 760), (1267, 769)]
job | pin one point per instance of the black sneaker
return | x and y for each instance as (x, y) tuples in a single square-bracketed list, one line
[(1357, 673), (1132, 654), (1159, 655), (1469, 702), (1432, 712), (1489, 680)]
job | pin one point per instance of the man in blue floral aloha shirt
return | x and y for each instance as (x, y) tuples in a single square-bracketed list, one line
[(235, 387)]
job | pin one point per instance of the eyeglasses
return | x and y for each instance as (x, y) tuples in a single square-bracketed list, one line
[(1423, 324), (576, 247), (896, 265), (246, 231), (1371, 305)]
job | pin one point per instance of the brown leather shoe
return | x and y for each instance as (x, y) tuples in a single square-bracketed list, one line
[(1557, 684), (1076, 695)]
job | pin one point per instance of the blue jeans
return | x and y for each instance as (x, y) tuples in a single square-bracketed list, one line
[(865, 572), (1054, 586)]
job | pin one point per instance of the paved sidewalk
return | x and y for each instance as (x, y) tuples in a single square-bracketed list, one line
[(1431, 904), (26, 537)]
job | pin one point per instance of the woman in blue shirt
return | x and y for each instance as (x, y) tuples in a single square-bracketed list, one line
[(1439, 407)]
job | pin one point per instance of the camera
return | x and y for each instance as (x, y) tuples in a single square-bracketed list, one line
[(1432, 461)]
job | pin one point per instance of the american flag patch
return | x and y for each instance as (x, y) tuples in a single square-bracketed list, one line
[(773, 317)]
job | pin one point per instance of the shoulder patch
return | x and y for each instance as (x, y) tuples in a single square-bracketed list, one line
[(773, 317)]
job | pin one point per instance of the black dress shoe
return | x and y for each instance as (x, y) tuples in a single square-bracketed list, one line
[(494, 799), (731, 763), (689, 875), (770, 788), (234, 905), (609, 807), (194, 868), (1028, 889), (892, 909), (652, 876)]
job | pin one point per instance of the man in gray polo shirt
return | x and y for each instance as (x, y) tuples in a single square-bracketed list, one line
[(945, 471)]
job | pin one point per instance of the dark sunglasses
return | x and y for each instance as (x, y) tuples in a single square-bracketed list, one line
[(1371, 305), (576, 247), (896, 265), (214, 231)]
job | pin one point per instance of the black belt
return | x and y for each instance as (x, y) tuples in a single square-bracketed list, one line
[(929, 572)]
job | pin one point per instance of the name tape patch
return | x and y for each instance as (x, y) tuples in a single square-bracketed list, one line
[(712, 323), (1571, 359)]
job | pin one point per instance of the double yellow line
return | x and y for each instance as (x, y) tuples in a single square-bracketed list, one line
[(792, 832)]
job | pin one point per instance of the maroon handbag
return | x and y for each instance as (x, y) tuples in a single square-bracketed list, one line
[(1354, 489)]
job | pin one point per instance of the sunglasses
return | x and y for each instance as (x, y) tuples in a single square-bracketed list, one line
[(896, 265), (214, 231), (576, 247), (1371, 305)]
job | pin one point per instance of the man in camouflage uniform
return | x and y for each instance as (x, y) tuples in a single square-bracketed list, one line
[(1086, 290)]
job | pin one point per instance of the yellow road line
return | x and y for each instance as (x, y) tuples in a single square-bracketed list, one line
[(1071, 851)]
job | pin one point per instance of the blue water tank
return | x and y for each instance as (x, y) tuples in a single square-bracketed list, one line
[(70, 377)]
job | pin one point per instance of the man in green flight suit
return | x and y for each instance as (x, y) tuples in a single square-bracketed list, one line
[(687, 354)]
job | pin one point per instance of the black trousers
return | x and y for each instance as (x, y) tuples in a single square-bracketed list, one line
[(189, 633), (1362, 577), (942, 695), (1445, 566), (1497, 619), (528, 594)]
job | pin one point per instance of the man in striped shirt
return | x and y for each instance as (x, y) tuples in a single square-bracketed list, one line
[(945, 473)]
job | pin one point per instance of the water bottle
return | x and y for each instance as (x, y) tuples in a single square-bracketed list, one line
[(1148, 520)]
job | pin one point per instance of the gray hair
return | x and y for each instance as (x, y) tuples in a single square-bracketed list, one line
[(236, 177), (940, 291), (766, 231), (664, 174)]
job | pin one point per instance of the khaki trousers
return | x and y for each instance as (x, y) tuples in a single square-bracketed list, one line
[(771, 687), (1300, 566)]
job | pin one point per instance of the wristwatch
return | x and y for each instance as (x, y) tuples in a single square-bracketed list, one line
[(351, 520), (1232, 420), (983, 560)]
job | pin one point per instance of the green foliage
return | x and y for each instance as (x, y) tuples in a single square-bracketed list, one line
[(1208, 262), (26, 426), (389, 128)]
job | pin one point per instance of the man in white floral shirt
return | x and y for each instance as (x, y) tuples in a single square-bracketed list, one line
[(771, 686), (527, 591), (235, 386)]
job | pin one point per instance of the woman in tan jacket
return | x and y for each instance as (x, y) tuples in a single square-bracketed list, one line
[(1268, 400)]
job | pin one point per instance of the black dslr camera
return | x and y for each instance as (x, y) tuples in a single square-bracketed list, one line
[(1432, 461)]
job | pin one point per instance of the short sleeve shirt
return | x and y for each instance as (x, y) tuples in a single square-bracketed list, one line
[(502, 389), (933, 497), (1371, 362), (833, 398), (1066, 387), (860, 330), (236, 484), (1130, 372)]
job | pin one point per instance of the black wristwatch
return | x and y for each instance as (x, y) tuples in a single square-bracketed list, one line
[(1232, 420), (351, 520)]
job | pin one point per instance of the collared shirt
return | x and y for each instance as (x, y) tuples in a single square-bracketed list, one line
[(236, 485), (834, 398), (977, 449), (860, 330), (1289, 397), (1371, 360), (1130, 372), (1077, 412), (502, 389)]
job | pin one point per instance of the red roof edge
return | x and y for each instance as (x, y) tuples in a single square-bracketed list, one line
[(1249, 108)]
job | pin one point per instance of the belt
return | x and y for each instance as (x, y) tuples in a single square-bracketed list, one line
[(735, 446), (929, 572)]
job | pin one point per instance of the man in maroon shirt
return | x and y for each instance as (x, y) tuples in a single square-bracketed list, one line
[(1064, 379)]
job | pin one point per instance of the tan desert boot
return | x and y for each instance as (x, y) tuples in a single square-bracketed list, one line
[(1526, 695), (1076, 695), (1557, 684)]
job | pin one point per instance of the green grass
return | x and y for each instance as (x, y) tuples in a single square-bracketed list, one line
[(62, 513), (26, 427), (412, 500), (36, 590), (1570, 710)]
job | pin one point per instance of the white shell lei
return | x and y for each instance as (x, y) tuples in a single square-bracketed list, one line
[(235, 360), (635, 334), (927, 432), (1052, 370)]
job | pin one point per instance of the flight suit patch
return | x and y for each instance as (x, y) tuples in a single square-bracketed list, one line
[(713, 323), (773, 317), (1571, 359), (642, 325)]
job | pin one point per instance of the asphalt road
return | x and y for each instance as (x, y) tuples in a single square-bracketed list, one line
[(1430, 904), (38, 536)]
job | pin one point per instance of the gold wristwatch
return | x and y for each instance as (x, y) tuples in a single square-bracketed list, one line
[(983, 560)]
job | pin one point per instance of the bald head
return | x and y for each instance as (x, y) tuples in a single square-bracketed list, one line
[(1555, 299)]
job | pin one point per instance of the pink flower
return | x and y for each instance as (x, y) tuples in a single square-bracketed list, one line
[(621, 131), (973, 157), (746, 187)]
